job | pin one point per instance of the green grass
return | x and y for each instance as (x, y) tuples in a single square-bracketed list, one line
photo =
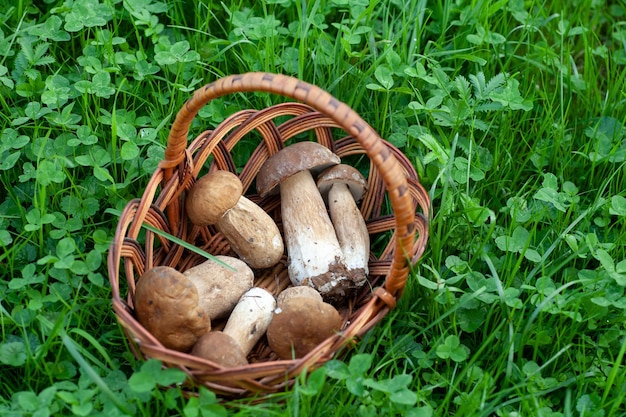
[(512, 112)]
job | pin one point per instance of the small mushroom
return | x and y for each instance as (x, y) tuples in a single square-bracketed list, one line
[(220, 288), (167, 305), (314, 255), (342, 186), (245, 326), (216, 199), (301, 322), (220, 348)]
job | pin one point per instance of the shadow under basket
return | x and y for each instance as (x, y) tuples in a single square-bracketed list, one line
[(395, 206)]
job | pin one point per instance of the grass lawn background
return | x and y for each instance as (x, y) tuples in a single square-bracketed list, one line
[(512, 112)]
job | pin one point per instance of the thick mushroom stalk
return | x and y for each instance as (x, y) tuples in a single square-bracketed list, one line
[(216, 199), (315, 256), (343, 186), (220, 288), (248, 321)]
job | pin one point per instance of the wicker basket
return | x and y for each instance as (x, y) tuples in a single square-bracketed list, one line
[(135, 249)]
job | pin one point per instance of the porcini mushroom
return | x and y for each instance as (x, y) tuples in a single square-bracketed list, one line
[(220, 288), (314, 255), (245, 326), (343, 186), (216, 199), (301, 322), (167, 305)]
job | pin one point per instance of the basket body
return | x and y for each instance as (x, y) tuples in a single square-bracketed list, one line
[(392, 181)]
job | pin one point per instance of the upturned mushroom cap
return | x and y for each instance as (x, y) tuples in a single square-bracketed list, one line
[(220, 348), (166, 304), (300, 324), (219, 288), (292, 159), (212, 196), (342, 174)]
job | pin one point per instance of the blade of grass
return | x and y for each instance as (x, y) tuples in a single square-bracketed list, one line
[(176, 240), (73, 350)]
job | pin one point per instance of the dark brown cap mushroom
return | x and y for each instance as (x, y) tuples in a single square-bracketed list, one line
[(167, 305), (342, 186), (300, 323), (342, 174), (314, 255), (216, 199), (295, 158)]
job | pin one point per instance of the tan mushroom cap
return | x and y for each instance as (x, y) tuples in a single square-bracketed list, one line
[(166, 304), (298, 291), (220, 348), (292, 159), (342, 174), (300, 324), (212, 196)]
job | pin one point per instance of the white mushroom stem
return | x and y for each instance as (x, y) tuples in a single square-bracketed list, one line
[(250, 318), (310, 238), (350, 228)]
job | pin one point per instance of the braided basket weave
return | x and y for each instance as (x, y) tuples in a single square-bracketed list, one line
[(392, 181)]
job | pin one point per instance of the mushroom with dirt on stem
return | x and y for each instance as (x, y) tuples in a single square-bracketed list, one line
[(216, 199), (343, 186), (301, 321), (247, 323), (314, 255)]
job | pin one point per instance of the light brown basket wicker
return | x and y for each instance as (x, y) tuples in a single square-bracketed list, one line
[(135, 249)]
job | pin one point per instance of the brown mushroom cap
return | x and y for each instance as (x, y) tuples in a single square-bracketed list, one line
[(166, 304), (298, 291), (342, 174), (220, 348), (292, 159), (299, 325), (212, 196)]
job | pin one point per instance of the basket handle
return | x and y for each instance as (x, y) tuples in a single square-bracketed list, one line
[(343, 115)]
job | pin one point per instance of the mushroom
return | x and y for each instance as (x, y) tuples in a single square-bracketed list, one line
[(167, 305), (220, 288), (342, 186), (301, 322), (314, 255), (216, 199), (245, 326)]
